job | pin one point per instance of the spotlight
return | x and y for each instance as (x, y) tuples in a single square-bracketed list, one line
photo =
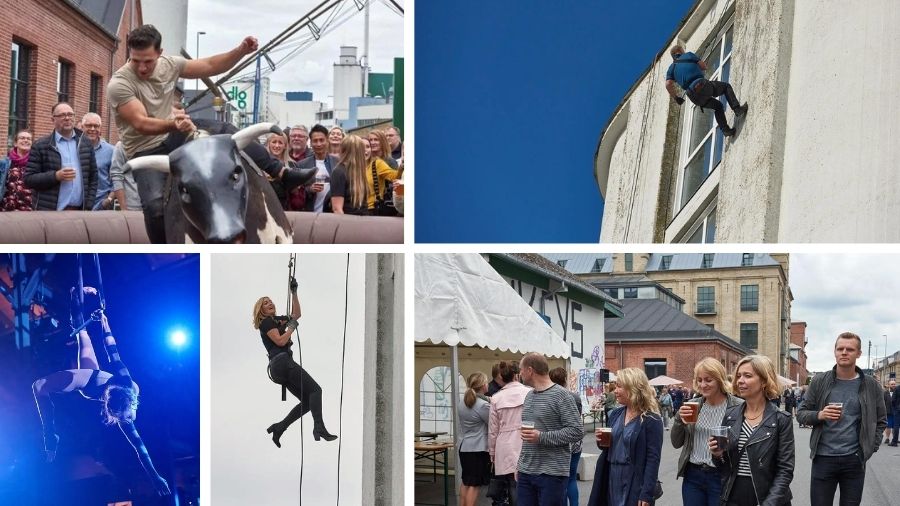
[(178, 338)]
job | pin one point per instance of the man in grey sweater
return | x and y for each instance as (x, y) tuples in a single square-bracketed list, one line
[(550, 422), (846, 411)]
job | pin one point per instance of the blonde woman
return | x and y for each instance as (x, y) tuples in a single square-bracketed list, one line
[(348, 180), (474, 458), (702, 485), (760, 433), (277, 146), (276, 332), (627, 470), (381, 148), (377, 168), (335, 137)]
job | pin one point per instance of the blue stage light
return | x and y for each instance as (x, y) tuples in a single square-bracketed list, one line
[(178, 338)]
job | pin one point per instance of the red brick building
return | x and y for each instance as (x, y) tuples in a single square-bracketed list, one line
[(61, 49), (660, 339), (798, 353)]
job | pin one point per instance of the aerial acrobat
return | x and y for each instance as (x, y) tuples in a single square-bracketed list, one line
[(116, 390)]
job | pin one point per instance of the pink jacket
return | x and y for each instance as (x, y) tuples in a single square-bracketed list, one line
[(504, 441)]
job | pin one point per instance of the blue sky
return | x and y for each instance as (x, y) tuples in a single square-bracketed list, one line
[(511, 98)]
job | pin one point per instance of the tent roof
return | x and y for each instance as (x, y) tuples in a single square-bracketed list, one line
[(461, 299)]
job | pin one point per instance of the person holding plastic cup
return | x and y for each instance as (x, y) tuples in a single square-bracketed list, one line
[(627, 470), (702, 485), (757, 432), (846, 411)]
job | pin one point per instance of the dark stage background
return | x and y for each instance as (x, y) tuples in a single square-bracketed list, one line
[(153, 306)]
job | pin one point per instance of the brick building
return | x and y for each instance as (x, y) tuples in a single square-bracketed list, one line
[(797, 363), (61, 50), (745, 296), (660, 339)]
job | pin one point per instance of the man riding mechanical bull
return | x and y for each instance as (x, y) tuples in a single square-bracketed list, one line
[(211, 189)]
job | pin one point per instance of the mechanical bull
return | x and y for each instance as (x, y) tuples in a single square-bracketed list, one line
[(217, 194)]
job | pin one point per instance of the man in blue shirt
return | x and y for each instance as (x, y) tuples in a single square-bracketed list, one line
[(103, 152), (687, 70)]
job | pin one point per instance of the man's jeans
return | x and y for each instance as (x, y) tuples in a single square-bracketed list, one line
[(896, 428), (541, 489), (848, 471)]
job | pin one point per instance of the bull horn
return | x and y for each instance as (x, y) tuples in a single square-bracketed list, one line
[(243, 138), (155, 162)]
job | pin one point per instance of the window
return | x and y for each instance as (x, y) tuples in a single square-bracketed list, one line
[(612, 292), (562, 263), (94, 99), (630, 293), (19, 82), (598, 265), (665, 262), (747, 260), (706, 300), (749, 297), (629, 262), (63, 80), (712, 326), (703, 231), (435, 406), (707, 260), (749, 335), (654, 367), (702, 142)]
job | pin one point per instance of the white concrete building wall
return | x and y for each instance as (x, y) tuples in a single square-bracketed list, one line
[(348, 75), (170, 18), (375, 111), (815, 159), (246, 466), (841, 178), (566, 316)]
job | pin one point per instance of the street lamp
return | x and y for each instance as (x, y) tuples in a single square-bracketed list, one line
[(196, 57)]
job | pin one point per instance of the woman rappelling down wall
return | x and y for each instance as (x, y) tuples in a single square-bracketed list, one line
[(275, 332), (115, 389)]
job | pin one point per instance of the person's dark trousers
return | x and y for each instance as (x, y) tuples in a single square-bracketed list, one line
[(848, 471), (541, 489), (896, 429), (151, 188), (571, 497), (705, 95), (511, 494), (700, 486)]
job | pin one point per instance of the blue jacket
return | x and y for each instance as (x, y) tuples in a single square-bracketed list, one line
[(685, 70), (644, 453)]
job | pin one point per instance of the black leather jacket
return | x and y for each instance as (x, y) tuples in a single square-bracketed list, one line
[(771, 454)]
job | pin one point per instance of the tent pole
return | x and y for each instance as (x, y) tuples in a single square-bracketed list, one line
[(454, 375)]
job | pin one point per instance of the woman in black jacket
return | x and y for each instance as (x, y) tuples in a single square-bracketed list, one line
[(275, 332), (757, 465)]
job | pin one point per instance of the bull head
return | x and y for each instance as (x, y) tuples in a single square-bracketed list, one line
[(211, 182)]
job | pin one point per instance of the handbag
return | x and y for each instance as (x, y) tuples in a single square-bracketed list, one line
[(497, 488), (383, 206)]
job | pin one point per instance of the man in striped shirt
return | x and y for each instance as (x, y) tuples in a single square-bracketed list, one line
[(550, 422)]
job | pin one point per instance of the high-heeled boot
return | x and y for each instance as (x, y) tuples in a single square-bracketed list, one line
[(315, 406), (278, 428)]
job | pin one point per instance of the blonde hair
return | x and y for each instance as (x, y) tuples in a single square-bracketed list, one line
[(257, 312), (764, 368), (715, 369), (353, 158), (383, 144), (638, 390), (476, 381), (284, 158)]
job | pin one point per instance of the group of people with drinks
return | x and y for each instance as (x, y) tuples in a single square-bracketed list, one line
[(737, 446)]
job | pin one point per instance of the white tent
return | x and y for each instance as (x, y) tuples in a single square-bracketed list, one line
[(461, 299)]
